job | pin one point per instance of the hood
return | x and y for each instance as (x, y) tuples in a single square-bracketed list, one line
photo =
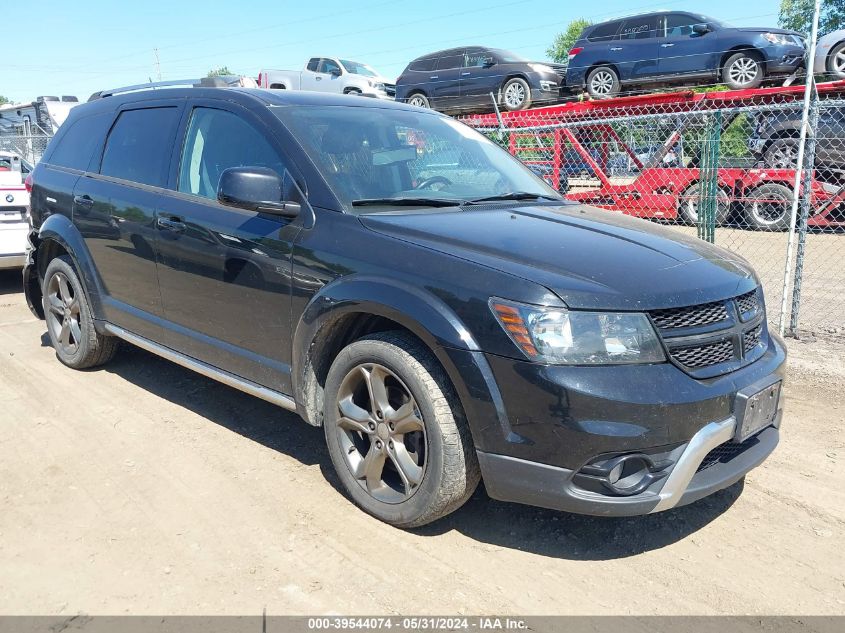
[(768, 29), (590, 258)]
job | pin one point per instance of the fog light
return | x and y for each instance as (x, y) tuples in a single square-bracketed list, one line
[(625, 475)]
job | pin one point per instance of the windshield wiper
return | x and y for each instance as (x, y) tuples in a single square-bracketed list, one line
[(513, 195), (407, 202)]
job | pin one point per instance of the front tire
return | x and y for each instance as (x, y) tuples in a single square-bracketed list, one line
[(516, 94), (836, 61), (70, 323), (603, 82), (396, 433), (742, 70)]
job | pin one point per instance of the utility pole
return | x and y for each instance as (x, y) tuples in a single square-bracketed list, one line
[(158, 65)]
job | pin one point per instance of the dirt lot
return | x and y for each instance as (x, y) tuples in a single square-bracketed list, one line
[(143, 488)]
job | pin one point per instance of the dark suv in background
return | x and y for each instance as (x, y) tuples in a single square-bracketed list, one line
[(402, 281), (678, 48), (462, 79)]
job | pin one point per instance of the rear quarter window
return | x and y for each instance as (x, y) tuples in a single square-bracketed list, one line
[(139, 145), (604, 32), (75, 146)]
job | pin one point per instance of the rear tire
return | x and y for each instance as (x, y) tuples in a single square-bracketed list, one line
[(688, 206), (768, 206), (395, 432), (516, 95), (603, 82), (743, 70), (836, 61), (70, 324), (419, 100)]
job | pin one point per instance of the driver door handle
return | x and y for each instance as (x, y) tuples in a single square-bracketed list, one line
[(666, 45), (616, 48)]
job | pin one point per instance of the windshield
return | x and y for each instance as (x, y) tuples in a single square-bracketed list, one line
[(506, 57), (393, 159), (357, 68)]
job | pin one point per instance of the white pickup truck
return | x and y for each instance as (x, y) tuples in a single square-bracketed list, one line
[(330, 74), (14, 209)]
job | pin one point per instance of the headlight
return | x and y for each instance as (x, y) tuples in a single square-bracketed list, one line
[(778, 38), (541, 68), (563, 337)]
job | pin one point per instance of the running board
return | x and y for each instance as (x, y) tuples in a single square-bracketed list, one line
[(209, 371)]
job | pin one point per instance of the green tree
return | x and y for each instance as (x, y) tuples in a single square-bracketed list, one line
[(559, 50), (798, 15), (4, 100), (219, 72)]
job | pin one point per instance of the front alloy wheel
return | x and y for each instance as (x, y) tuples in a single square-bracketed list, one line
[(381, 432), (396, 432), (743, 70)]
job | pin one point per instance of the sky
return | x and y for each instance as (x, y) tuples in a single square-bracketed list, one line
[(77, 48)]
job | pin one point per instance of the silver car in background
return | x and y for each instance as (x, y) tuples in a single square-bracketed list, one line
[(830, 55)]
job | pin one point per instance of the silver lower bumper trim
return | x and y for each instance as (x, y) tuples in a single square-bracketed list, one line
[(708, 438)]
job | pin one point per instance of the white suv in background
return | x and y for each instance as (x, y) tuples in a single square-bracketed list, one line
[(330, 74), (14, 210)]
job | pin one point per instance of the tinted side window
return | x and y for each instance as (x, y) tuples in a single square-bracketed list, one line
[(679, 25), (77, 144), (139, 144), (422, 64), (217, 140), (604, 32), (452, 61), (639, 28)]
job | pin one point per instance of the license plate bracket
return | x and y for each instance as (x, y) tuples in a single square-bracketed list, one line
[(755, 409)]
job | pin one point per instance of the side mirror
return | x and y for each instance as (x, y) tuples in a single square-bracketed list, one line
[(335, 72), (700, 29), (488, 62), (255, 189)]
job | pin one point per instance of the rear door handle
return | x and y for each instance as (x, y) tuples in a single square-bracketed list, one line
[(83, 201), (171, 224), (666, 45)]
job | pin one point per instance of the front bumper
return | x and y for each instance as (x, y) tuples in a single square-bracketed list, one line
[(783, 58)]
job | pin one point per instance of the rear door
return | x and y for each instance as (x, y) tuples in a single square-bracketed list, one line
[(446, 80), (635, 50), (225, 272), (114, 209)]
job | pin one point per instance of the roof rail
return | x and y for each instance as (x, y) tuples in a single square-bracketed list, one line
[(222, 81)]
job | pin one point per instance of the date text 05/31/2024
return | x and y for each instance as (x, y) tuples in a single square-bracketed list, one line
[(418, 623)]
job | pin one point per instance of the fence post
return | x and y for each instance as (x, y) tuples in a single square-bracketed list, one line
[(708, 183), (802, 142), (806, 205)]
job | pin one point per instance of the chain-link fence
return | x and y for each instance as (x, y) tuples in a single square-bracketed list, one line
[(721, 166), (30, 148)]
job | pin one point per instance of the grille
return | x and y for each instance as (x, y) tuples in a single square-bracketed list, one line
[(751, 338), (390, 89), (748, 304), (704, 314), (704, 355), (724, 453)]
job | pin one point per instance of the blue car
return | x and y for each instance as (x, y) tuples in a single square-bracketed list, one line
[(678, 48)]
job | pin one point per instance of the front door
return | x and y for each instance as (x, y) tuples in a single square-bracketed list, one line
[(683, 51), (225, 272), (480, 77), (635, 49)]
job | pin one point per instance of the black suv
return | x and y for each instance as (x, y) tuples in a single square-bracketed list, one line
[(462, 80), (677, 48), (398, 279)]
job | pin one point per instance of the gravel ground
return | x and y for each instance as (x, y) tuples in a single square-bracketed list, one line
[(143, 488)]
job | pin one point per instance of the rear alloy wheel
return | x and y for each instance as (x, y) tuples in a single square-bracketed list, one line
[(688, 206), (836, 61), (742, 70), (602, 82), (419, 99), (395, 431), (767, 207), (782, 154), (70, 325), (516, 94)]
